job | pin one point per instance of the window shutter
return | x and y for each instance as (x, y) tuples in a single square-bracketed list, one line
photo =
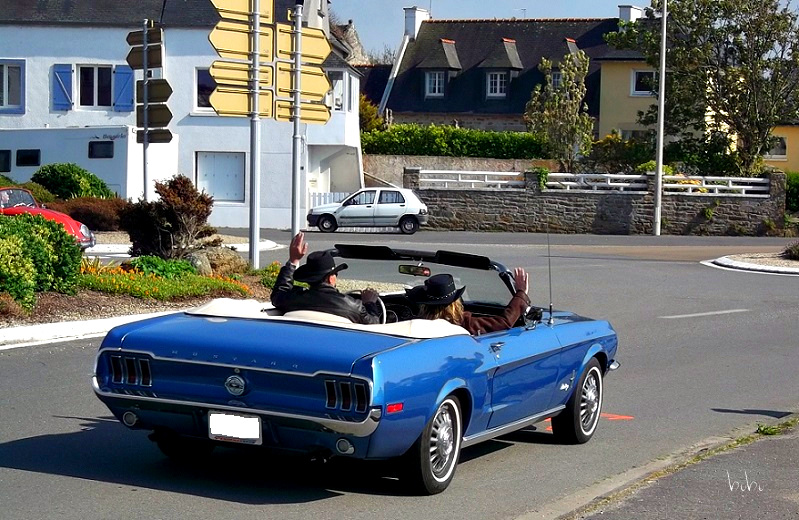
[(62, 87), (123, 89)]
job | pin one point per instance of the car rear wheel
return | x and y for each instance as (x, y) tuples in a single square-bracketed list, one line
[(409, 225), (577, 423), (327, 224), (432, 460)]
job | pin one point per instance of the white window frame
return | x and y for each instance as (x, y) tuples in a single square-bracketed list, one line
[(196, 106), (496, 84), (5, 87), (634, 81), (434, 84), (557, 79), (337, 97), (778, 157), (96, 93)]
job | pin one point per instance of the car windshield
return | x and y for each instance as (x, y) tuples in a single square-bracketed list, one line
[(481, 277), (12, 197)]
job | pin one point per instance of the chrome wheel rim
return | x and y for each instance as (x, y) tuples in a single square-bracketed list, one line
[(590, 401), (442, 441), (407, 225), (326, 223)]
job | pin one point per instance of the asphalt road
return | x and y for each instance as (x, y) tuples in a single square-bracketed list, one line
[(704, 351)]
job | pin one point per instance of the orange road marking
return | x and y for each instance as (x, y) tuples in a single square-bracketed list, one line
[(614, 417)]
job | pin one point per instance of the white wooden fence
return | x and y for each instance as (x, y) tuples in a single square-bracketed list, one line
[(319, 198), (594, 182)]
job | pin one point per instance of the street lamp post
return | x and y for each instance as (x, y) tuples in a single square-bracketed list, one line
[(661, 110)]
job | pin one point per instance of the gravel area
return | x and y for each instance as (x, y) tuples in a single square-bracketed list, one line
[(769, 259)]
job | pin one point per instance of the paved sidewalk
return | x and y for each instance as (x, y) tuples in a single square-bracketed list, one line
[(758, 480)]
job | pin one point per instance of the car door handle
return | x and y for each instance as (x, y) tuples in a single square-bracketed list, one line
[(402, 205), (496, 347), (368, 205)]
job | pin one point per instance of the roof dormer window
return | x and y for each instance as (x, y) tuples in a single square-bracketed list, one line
[(434, 84), (496, 84)]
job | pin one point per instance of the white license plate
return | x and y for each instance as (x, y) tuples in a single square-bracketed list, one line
[(232, 427)]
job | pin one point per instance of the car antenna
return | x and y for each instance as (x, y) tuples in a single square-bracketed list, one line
[(551, 320)]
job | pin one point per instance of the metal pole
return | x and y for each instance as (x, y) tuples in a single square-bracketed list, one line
[(145, 140), (661, 116), (295, 116), (255, 137)]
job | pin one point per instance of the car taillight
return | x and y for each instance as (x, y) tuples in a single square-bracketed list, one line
[(423, 211)]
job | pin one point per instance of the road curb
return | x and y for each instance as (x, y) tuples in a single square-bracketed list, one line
[(728, 263)]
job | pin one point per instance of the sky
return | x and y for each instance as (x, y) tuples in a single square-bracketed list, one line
[(381, 23)]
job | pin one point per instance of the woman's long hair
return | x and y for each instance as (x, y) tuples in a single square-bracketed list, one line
[(453, 312)]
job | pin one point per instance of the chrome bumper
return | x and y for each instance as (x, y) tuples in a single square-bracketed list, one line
[(356, 429)]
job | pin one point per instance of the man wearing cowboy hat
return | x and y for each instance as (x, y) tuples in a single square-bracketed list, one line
[(440, 299), (320, 272)]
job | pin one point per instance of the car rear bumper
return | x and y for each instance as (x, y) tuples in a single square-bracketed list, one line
[(422, 219)]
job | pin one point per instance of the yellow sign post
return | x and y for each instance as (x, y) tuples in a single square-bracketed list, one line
[(315, 45), (233, 40), (238, 74), (231, 101), (314, 84), (241, 10)]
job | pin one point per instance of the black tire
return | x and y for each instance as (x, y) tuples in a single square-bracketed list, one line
[(432, 460), (186, 450), (409, 225), (327, 224), (577, 423)]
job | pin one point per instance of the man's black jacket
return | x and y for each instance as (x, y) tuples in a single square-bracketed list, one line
[(322, 297)]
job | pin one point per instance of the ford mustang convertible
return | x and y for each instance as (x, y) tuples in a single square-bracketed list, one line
[(416, 390)]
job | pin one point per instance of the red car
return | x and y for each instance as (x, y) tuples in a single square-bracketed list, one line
[(16, 201)]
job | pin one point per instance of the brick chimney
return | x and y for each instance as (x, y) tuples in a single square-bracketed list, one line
[(414, 16)]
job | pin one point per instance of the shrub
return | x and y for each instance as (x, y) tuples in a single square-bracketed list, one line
[(612, 154), (54, 253), (791, 251), (169, 269), (172, 226), (68, 180), (40, 193), (6, 181), (709, 156), (410, 139), (17, 274), (98, 214), (650, 166), (368, 116), (792, 191)]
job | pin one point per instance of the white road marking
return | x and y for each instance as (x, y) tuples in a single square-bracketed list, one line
[(700, 314)]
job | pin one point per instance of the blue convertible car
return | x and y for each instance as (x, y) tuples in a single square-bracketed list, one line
[(238, 371)]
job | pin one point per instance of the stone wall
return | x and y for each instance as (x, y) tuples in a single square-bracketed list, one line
[(617, 213), (390, 167)]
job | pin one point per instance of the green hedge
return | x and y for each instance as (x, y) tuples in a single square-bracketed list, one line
[(68, 180), (409, 139), (792, 191), (36, 255)]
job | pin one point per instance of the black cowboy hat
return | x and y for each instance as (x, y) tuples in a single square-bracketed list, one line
[(317, 267), (437, 290)]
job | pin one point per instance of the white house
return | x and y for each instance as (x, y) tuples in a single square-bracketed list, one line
[(62, 65)]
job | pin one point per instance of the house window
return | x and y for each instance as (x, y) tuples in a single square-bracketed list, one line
[(94, 86), (779, 150), (337, 80), (205, 86), (643, 82), (497, 84), (29, 157), (391, 197), (434, 84), (101, 149), (557, 79), (5, 161), (12, 74)]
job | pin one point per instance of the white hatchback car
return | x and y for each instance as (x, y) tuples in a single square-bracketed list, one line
[(372, 207)]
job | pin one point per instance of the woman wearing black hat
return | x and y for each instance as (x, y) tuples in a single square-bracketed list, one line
[(320, 272), (440, 299)]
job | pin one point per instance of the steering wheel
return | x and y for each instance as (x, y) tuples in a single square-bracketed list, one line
[(356, 293)]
